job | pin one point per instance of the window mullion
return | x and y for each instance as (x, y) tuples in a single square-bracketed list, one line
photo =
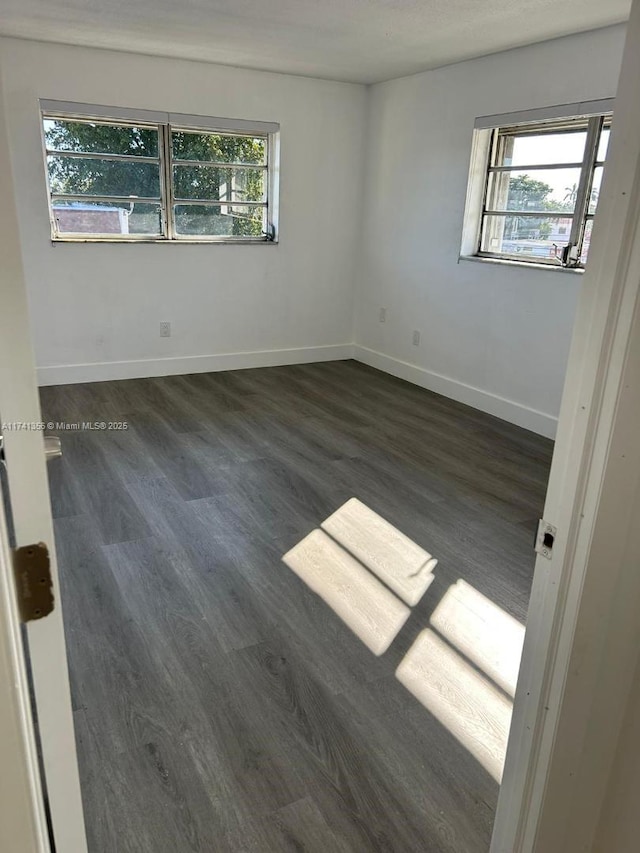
[(166, 186), (268, 190), (586, 178)]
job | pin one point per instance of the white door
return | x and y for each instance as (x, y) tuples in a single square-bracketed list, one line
[(30, 509)]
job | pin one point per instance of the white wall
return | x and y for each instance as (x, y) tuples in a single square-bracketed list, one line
[(493, 336), (96, 304), (496, 337)]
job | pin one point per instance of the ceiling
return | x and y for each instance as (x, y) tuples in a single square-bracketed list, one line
[(362, 41)]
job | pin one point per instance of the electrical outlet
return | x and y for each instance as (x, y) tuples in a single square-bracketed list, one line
[(383, 315), (165, 330), (416, 338)]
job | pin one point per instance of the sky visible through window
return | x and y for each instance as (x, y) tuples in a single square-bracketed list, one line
[(554, 148)]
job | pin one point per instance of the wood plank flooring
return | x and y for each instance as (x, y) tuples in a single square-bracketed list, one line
[(220, 705)]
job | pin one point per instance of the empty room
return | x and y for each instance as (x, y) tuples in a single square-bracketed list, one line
[(291, 295)]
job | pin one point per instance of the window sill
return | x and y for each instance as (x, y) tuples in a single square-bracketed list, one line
[(528, 265), (57, 241)]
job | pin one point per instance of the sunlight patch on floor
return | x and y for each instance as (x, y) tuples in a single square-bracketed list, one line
[(464, 701), (463, 668), (398, 561), (368, 608), (483, 632)]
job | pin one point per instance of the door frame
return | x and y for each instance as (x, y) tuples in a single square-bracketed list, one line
[(22, 817), (580, 627), (32, 523)]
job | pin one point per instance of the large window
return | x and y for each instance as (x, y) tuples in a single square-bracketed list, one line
[(133, 180), (540, 189)]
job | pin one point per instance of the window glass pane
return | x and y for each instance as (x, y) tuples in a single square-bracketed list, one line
[(219, 147), (537, 149), (100, 138), (529, 237), (91, 176), (595, 188), (105, 218), (211, 182), (219, 220), (586, 241), (603, 145), (544, 189)]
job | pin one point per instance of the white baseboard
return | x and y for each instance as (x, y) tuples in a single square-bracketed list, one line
[(63, 374), (508, 410)]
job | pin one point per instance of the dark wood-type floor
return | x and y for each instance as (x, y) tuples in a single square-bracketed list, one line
[(219, 704)]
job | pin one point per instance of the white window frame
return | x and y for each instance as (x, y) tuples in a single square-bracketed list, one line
[(165, 123), (591, 116)]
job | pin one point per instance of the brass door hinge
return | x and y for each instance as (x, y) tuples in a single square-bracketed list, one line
[(34, 587)]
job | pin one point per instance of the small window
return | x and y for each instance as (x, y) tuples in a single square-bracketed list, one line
[(219, 184), (136, 180), (540, 190)]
